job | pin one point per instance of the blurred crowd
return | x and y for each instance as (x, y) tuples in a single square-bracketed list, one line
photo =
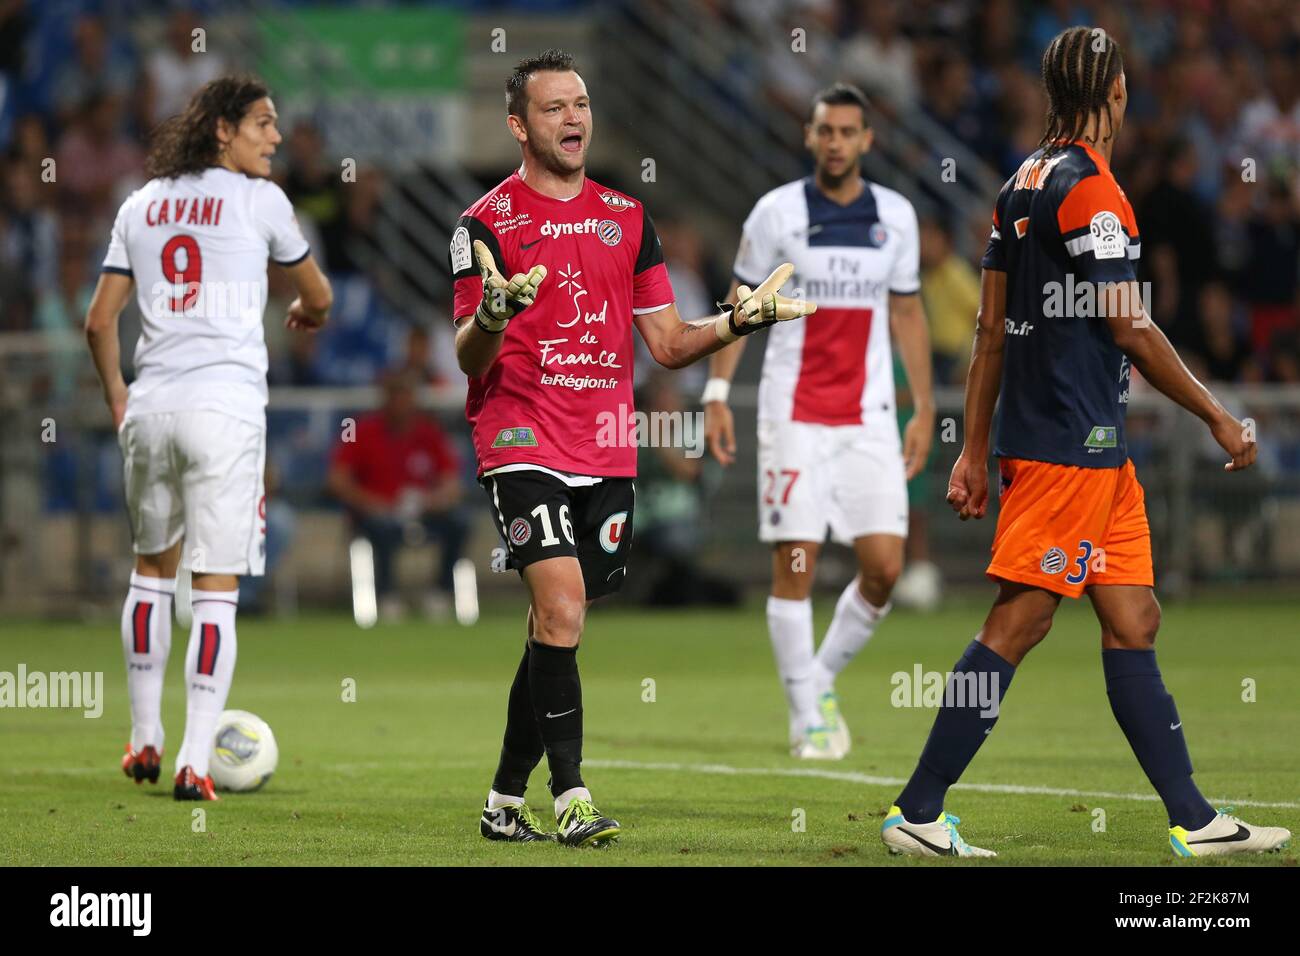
[(1209, 157), (78, 99), (78, 103)]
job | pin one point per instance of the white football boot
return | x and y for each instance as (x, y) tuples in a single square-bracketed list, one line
[(816, 743), (833, 720), (939, 838), (1226, 834)]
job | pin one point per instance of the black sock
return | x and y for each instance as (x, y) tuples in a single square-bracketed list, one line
[(522, 748), (957, 733), (557, 702), (1146, 714)]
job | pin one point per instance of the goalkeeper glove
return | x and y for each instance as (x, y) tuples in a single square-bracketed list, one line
[(758, 308), (503, 300)]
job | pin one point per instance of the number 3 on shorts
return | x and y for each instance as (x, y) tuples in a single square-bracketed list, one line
[(1081, 562), (549, 537)]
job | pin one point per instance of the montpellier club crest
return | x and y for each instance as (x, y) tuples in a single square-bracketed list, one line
[(520, 532), (1053, 561), (610, 232)]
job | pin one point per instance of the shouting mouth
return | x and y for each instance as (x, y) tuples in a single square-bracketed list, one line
[(571, 143)]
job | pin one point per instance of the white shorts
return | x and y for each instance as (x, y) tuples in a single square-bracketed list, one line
[(197, 474), (846, 478)]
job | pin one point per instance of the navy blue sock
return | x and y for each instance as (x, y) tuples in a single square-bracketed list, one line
[(958, 731), (1146, 713)]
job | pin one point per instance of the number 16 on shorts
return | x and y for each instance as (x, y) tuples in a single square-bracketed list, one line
[(549, 538), (541, 531)]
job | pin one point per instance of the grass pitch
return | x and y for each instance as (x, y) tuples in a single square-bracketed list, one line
[(697, 775)]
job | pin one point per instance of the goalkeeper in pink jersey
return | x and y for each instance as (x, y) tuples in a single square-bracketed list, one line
[(552, 271)]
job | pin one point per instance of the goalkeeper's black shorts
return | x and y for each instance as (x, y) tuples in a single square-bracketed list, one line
[(539, 516)]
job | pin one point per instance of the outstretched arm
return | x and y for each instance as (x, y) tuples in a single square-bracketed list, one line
[(675, 343)]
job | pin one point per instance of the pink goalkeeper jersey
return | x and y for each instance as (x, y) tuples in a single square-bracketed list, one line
[(559, 393)]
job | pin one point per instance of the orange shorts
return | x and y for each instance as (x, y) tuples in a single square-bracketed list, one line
[(1065, 528)]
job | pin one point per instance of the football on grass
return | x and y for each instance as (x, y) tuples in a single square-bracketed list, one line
[(244, 753)]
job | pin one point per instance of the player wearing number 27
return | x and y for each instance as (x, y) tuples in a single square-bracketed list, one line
[(194, 241), (1072, 518), (548, 353), (829, 454)]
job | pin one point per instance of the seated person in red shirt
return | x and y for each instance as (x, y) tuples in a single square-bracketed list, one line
[(399, 478)]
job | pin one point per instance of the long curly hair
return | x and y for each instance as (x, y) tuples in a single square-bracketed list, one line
[(187, 143), (1079, 66)]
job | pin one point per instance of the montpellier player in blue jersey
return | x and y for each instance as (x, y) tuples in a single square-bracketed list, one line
[(1072, 517)]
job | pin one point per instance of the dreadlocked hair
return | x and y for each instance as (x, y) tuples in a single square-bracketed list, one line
[(187, 143), (1079, 66)]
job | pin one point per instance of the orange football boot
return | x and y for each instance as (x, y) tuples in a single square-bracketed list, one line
[(190, 786), (144, 765)]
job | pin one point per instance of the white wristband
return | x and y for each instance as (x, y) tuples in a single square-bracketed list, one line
[(715, 390)]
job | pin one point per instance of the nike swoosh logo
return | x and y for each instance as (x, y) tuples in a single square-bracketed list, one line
[(569, 711), (987, 731), (1175, 726), (949, 850), (1241, 834), (529, 245)]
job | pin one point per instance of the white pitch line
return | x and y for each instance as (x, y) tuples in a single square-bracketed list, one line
[(718, 769), (850, 776)]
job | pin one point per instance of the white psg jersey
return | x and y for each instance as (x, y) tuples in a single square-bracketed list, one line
[(197, 247), (836, 366)]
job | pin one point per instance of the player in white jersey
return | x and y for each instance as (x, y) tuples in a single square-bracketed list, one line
[(195, 241), (829, 454)]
